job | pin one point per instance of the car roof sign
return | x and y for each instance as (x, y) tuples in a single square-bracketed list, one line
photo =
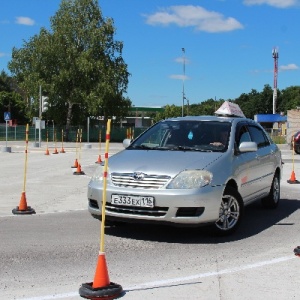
[(230, 109)]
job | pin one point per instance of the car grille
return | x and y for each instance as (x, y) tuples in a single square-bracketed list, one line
[(146, 182), (141, 211)]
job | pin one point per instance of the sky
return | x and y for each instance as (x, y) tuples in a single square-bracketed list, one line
[(199, 49)]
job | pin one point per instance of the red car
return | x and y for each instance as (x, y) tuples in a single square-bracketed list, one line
[(296, 138)]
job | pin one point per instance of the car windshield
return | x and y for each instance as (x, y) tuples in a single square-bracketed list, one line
[(185, 135)]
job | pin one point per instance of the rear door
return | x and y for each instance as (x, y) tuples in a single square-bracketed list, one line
[(265, 158)]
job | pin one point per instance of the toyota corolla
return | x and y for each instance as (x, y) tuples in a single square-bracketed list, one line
[(190, 171)]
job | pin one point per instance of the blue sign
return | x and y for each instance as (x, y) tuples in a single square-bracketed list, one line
[(7, 116)]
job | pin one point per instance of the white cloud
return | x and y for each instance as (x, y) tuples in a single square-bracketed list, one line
[(182, 60), (193, 16), (24, 21), (275, 3), (288, 67), (180, 77)]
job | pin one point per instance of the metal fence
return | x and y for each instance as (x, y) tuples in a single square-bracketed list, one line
[(57, 134), (17, 133)]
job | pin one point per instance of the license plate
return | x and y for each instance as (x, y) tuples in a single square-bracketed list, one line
[(141, 201)]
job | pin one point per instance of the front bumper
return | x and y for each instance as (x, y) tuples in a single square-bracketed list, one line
[(185, 207)]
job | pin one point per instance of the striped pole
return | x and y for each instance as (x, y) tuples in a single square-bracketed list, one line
[(104, 184), (23, 209), (26, 157)]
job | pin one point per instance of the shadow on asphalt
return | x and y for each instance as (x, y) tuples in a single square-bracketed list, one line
[(256, 219)]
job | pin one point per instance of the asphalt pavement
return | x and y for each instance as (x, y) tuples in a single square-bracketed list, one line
[(51, 186)]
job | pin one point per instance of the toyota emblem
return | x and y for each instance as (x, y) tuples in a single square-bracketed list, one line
[(138, 176)]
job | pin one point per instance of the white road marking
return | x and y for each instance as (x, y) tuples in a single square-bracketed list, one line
[(178, 279)]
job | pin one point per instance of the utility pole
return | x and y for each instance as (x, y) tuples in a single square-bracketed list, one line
[(183, 95), (275, 56), (40, 116)]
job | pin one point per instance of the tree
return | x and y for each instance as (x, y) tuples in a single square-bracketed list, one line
[(12, 102), (78, 63), (4, 82), (11, 99), (289, 98)]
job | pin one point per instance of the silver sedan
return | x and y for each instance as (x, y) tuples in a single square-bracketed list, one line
[(190, 171)]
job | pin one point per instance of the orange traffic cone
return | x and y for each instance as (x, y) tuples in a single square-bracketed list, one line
[(101, 277), (75, 163), (23, 208), (47, 152), (78, 171), (55, 151), (62, 150), (293, 178), (23, 202), (99, 160), (101, 288)]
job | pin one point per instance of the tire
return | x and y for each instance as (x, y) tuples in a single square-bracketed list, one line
[(272, 200), (231, 212), (111, 291), (297, 149)]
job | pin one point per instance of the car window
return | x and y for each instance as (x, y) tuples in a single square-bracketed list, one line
[(258, 136), (198, 135), (243, 135)]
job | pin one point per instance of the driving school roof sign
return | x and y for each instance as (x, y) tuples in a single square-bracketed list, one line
[(230, 109)]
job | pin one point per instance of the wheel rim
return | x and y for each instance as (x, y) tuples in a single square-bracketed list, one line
[(229, 213), (276, 190)]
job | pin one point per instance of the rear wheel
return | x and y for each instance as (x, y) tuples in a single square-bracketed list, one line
[(231, 212), (297, 149), (272, 200)]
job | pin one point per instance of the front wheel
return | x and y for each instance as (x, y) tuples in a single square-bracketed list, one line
[(231, 212)]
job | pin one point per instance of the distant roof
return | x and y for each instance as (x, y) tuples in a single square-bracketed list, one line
[(270, 118), (146, 108)]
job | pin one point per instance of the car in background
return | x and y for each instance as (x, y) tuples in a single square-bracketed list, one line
[(190, 171), (295, 140)]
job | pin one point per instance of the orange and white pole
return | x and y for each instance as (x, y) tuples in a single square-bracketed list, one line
[(105, 173)]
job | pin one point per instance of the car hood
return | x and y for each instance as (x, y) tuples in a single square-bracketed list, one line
[(161, 162)]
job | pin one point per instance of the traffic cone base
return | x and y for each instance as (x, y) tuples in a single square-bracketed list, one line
[(112, 291), (293, 179), (55, 151), (28, 211), (62, 150), (47, 152), (297, 251), (78, 171), (23, 209)]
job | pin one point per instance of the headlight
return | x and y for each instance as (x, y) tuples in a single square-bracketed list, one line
[(98, 174), (191, 179)]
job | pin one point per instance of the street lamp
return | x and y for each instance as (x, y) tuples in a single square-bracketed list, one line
[(183, 96)]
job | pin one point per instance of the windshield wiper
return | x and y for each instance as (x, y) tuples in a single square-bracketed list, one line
[(188, 148), (173, 148), (142, 147)]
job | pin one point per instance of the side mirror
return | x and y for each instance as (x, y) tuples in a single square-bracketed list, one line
[(248, 147), (126, 143)]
